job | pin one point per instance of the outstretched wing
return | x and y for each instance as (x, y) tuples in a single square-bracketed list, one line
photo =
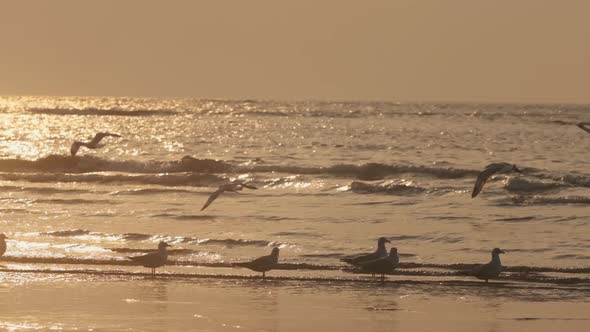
[(482, 178), (213, 197), (98, 137), (249, 186), (584, 126), (75, 147)]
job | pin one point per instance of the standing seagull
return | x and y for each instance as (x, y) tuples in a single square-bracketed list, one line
[(262, 264), (92, 144), (379, 253), (490, 270), (584, 126), (234, 186), (2, 244), (154, 259), (382, 265), (490, 170)]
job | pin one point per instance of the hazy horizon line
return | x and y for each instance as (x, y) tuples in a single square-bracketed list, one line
[(301, 100)]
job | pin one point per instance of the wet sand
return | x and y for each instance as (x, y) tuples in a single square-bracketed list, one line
[(131, 300)]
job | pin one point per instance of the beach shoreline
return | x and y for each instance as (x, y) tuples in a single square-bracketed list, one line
[(67, 301)]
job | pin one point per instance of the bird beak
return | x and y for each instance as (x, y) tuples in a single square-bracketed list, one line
[(387, 240), (502, 252), (517, 170), (168, 245)]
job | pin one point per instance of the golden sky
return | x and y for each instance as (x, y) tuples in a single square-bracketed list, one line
[(400, 50)]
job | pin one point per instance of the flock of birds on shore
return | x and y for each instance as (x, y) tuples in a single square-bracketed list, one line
[(379, 262)]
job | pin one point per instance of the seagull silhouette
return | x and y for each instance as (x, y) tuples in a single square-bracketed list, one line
[(382, 265), (379, 253), (234, 186), (92, 144), (490, 270), (262, 264), (490, 170), (155, 259)]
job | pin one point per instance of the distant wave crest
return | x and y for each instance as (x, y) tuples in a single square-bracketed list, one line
[(98, 111), (390, 188), (86, 164)]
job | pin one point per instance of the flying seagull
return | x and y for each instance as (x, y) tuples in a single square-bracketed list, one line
[(379, 253), (154, 259), (490, 170), (92, 144), (234, 186), (584, 126), (490, 270), (382, 265), (2, 244), (262, 264)]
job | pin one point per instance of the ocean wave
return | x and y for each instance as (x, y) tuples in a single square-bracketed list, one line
[(188, 217), (149, 191), (44, 190), (540, 200), (180, 179), (369, 171), (576, 180), (101, 112), (67, 232), (523, 185), (86, 164), (75, 201), (389, 188), (155, 238), (194, 172)]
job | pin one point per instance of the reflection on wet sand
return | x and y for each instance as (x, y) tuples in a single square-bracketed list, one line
[(180, 304)]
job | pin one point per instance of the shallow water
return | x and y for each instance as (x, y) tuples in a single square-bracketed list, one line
[(143, 303), (332, 177)]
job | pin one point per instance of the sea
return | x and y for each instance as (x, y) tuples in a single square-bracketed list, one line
[(331, 178)]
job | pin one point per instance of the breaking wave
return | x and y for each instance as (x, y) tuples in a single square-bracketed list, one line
[(370, 171), (190, 171), (391, 188), (155, 238)]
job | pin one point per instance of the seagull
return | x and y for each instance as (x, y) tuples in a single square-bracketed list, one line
[(234, 186), (584, 126), (92, 144), (262, 264), (379, 253), (2, 244), (490, 270), (154, 259), (490, 170), (382, 265)]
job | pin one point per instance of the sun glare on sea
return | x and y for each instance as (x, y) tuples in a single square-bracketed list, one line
[(24, 137)]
